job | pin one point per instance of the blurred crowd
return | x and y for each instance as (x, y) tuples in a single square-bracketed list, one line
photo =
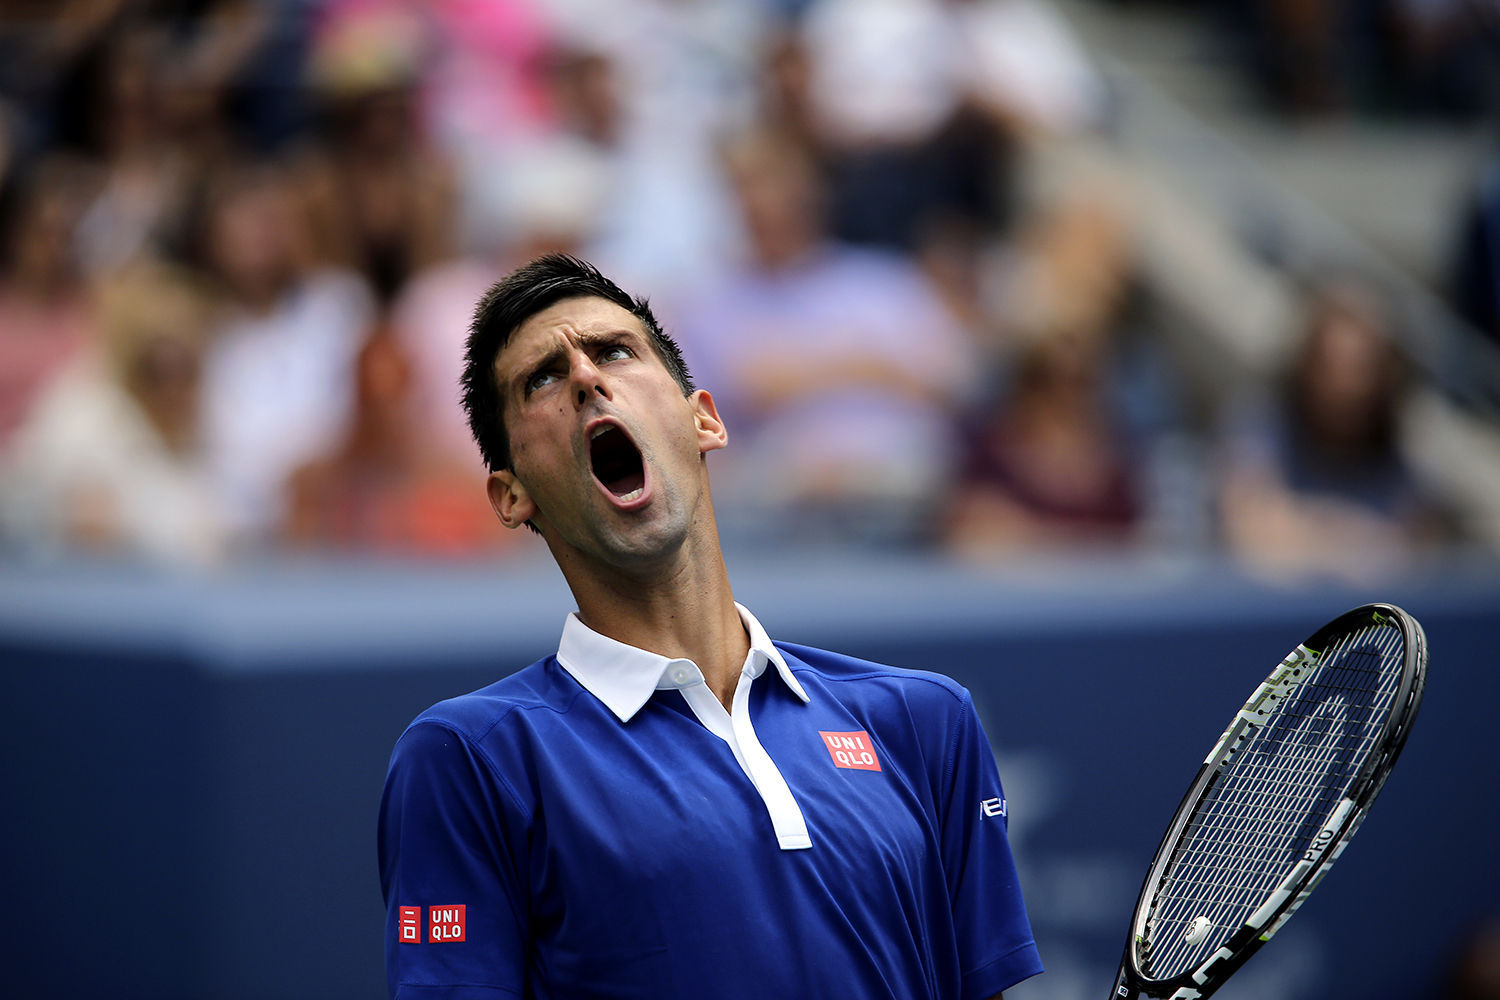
[(240, 242), (1430, 59)]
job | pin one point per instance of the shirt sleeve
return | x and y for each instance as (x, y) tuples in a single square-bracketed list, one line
[(455, 926), (995, 944)]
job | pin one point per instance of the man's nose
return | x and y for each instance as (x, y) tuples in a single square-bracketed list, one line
[(586, 380)]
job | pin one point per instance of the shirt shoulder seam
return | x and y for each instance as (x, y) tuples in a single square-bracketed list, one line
[(475, 739), (946, 685), (510, 706)]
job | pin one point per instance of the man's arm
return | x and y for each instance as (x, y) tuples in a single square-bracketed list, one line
[(454, 892), (995, 943)]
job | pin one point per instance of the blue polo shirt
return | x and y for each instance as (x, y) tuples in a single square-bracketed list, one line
[(597, 825)]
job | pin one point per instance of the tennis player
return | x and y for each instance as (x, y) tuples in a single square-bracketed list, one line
[(672, 805)]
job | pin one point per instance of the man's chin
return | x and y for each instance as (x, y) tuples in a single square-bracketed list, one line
[(646, 548), (628, 540)]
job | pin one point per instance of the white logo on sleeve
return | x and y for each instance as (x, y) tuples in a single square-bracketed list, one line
[(992, 807)]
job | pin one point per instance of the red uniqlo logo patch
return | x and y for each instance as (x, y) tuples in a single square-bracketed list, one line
[(409, 925), (851, 750), (445, 923)]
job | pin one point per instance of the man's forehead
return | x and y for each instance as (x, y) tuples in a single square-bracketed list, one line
[(583, 313)]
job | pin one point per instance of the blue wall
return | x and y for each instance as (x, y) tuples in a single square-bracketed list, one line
[(193, 765)]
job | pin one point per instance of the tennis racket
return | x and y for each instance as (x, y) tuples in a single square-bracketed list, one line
[(1275, 803)]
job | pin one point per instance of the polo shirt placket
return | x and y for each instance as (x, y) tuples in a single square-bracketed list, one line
[(624, 678)]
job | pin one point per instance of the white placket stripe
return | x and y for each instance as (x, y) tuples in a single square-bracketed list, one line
[(786, 815), (735, 729), (709, 712)]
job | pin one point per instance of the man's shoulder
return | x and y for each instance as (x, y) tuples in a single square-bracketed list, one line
[(540, 687), (853, 674)]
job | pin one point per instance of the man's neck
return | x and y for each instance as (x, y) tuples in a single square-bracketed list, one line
[(685, 610)]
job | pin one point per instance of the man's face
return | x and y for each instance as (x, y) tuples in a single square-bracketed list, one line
[(605, 449)]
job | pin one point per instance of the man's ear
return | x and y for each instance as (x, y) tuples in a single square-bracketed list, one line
[(712, 434), (509, 499)]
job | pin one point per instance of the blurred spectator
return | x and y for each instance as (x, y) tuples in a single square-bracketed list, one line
[(43, 306), (110, 462), (477, 76), (650, 207), (122, 127), (384, 489), (40, 42), (1068, 268), (837, 369), (785, 101), (199, 58), (278, 378), (687, 68), (481, 62), (921, 105), (227, 70), (1428, 58), (672, 77), (382, 196), (153, 95), (1315, 480), (430, 322), (1061, 454), (1048, 466)]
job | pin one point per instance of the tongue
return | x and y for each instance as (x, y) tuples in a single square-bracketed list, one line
[(624, 486)]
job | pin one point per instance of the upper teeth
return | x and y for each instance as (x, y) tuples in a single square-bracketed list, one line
[(601, 429)]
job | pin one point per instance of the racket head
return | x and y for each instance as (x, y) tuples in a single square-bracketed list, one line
[(1275, 802)]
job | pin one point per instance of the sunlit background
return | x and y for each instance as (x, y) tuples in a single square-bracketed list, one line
[(1091, 351)]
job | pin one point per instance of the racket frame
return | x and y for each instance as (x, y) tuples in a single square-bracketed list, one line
[(1334, 835)]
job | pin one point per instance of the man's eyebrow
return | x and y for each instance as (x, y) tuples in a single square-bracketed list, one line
[(554, 354), (594, 338), (528, 368)]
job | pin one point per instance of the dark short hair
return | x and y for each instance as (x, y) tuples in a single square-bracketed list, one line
[(508, 304)]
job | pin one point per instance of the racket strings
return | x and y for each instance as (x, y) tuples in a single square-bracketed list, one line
[(1219, 879), (1271, 799), (1288, 773), (1234, 876)]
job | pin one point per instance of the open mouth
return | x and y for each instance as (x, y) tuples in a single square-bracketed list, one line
[(617, 463)]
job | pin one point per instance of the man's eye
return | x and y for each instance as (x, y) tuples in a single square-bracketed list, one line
[(615, 352), (539, 380)]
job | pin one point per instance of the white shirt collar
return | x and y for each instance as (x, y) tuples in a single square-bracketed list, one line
[(623, 677)]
